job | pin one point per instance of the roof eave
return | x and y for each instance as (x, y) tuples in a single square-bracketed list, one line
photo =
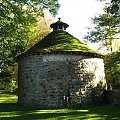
[(90, 54)]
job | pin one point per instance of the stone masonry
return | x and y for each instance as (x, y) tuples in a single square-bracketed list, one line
[(57, 81)]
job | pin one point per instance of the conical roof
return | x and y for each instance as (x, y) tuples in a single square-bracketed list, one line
[(60, 41)]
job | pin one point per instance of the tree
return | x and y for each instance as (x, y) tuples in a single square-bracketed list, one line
[(112, 69), (17, 21), (114, 7), (106, 30), (41, 30)]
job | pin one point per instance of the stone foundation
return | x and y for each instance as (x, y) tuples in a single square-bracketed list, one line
[(57, 81)]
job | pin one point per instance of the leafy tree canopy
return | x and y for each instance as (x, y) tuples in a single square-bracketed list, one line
[(106, 29), (112, 69), (17, 21), (114, 6)]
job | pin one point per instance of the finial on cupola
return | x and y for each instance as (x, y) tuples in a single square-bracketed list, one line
[(59, 18), (59, 25)]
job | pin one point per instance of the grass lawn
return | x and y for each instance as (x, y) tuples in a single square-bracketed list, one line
[(9, 110), (8, 98)]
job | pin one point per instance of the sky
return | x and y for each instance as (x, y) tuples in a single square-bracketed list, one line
[(78, 14)]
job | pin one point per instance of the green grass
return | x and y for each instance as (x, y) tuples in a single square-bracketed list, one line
[(8, 98), (15, 112)]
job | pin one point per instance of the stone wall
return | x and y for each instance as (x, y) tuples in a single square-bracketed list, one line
[(56, 81)]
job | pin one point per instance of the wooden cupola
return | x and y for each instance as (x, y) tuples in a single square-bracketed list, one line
[(59, 25)]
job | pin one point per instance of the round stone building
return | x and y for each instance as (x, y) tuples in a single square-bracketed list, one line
[(59, 71)]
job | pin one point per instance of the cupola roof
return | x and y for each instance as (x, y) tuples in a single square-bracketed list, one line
[(59, 25)]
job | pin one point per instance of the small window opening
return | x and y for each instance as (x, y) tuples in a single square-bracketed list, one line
[(55, 28), (60, 27)]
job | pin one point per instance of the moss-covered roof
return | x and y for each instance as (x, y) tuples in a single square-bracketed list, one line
[(60, 41)]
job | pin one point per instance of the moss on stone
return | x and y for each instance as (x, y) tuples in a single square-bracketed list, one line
[(60, 41)]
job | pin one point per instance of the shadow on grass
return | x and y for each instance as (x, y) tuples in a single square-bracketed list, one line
[(15, 112)]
